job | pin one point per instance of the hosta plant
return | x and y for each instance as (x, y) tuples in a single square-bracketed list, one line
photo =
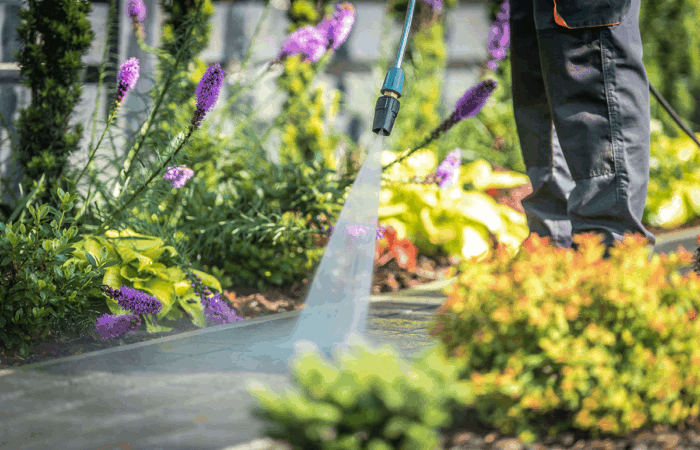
[(141, 262), (462, 220), (554, 339)]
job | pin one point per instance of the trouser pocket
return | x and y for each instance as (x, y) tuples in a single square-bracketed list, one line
[(590, 13)]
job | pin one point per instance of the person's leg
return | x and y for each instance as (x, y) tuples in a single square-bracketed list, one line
[(591, 57), (546, 207)]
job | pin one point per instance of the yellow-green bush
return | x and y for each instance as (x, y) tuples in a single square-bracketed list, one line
[(607, 345)]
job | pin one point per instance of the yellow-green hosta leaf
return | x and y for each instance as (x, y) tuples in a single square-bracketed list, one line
[(474, 242), (513, 242), (129, 254), (437, 235), (392, 210), (476, 173), (140, 243), (174, 314), (160, 289), (92, 246), (503, 180), (481, 208), (176, 274), (182, 288), (386, 195), (208, 280), (111, 251), (671, 213), (112, 277), (157, 269), (194, 310), (153, 327), (157, 250), (511, 215), (692, 196), (130, 273)]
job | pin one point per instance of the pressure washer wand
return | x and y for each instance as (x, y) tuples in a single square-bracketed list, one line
[(387, 107)]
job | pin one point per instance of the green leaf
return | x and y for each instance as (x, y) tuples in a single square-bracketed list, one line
[(194, 310), (91, 259), (12, 238), (113, 278), (153, 327), (208, 280)]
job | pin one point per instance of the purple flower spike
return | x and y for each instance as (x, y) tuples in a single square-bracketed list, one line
[(128, 76), (448, 170), (208, 92), (336, 28), (307, 40), (474, 99), (136, 8), (138, 302), (436, 4), (110, 326), (178, 175), (218, 312)]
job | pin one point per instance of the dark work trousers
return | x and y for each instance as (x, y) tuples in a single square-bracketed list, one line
[(581, 105)]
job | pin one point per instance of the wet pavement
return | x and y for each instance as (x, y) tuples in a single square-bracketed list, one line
[(187, 392)]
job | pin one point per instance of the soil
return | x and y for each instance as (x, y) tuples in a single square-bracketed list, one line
[(465, 433)]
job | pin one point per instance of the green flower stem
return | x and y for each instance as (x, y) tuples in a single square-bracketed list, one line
[(92, 152), (145, 185), (282, 118), (126, 170)]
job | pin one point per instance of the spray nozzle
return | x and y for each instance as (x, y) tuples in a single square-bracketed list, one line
[(387, 107)]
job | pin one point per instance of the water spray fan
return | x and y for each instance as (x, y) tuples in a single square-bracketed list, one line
[(387, 107)]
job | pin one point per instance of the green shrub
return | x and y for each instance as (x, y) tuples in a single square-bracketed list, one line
[(54, 34), (369, 399), (602, 345), (39, 288), (261, 232)]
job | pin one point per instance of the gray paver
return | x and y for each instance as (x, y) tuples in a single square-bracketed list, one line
[(188, 392)]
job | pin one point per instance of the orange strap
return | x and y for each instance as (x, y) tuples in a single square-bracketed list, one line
[(560, 21)]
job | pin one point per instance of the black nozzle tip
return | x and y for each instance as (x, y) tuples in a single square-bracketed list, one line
[(385, 112)]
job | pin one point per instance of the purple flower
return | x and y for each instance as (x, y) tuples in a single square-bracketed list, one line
[(448, 170), (307, 40), (436, 4), (138, 302), (499, 36), (504, 15), (499, 39), (218, 311), (178, 175), (110, 326), (128, 76), (474, 99), (208, 92), (136, 8), (336, 28)]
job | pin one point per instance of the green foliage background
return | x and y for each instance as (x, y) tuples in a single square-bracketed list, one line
[(54, 34)]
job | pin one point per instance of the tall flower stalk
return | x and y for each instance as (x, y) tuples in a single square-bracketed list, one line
[(133, 152), (468, 106), (207, 94)]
